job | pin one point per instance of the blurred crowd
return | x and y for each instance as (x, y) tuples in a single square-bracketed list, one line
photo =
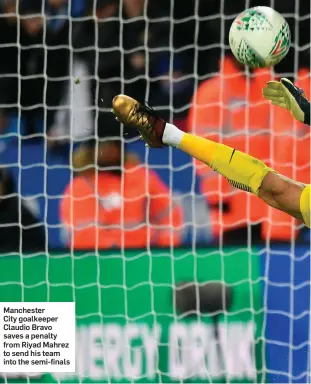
[(63, 62)]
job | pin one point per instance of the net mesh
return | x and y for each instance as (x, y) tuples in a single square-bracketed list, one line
[(63, 62)]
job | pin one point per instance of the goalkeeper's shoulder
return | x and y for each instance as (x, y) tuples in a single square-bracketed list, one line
[(286, 95)]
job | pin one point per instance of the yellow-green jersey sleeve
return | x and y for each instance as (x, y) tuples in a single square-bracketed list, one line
[(305, 205)]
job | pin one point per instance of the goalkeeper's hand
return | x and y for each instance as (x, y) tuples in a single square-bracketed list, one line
[(284, 94)]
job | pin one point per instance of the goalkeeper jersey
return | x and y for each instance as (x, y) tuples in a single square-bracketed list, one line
[(305, 205)]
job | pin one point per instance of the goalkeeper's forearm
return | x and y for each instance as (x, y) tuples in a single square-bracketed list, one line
[(243, 171)]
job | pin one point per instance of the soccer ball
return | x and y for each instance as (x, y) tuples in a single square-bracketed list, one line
[(259, 37)]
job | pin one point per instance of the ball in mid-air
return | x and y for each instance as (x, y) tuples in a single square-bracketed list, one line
[(259, 37)]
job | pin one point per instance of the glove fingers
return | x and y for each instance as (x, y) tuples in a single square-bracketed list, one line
[(274, 85), (279, 104), (268, 92), (277, 99)]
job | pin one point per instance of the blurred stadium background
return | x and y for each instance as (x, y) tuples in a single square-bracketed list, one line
[(192, 280)]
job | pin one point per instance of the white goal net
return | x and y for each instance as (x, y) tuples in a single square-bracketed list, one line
[(176, 276)]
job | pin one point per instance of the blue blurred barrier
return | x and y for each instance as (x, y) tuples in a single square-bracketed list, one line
[(286, 272), (42, 177)]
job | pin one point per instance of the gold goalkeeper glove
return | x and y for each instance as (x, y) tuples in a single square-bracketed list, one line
[(286, 95)]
